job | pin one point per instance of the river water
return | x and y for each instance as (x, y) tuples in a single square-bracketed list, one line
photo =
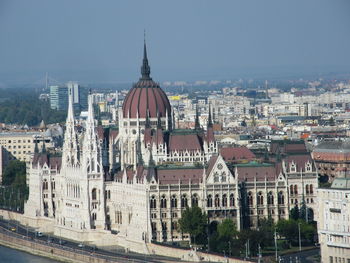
[(9, 255)]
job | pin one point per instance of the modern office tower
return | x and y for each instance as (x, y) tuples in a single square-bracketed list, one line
[(59, 97)]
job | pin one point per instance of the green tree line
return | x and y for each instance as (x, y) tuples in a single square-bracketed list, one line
[(22, 106), (225, 238)]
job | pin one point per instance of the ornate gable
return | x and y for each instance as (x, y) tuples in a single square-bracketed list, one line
[(218, 172)]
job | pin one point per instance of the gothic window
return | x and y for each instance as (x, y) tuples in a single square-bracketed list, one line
[(270, 200), (154, 226), (291, 190), (217, 201), (260, 198), (93, 194), (164, 226), (153, 202), (293, 167), (216, 178), (173, 201), (250, 198), (174, 226), (184, 201), (311, 189), (94, 216), (307, 189), (308, 167), (163, 202), (209, 201), (280, 198), (224, 200), (232, 200), (295, 189), (194, 200)]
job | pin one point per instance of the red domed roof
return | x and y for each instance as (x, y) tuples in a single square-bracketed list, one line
[(146, 96)]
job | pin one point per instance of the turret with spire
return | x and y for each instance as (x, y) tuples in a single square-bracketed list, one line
[(197, 125), (210, 122), (91, 150), (70, 147)]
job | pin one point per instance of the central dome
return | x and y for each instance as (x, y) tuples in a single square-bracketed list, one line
[(146, 97)]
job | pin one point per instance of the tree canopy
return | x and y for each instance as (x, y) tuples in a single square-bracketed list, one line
[(193, 221), (14, 174)]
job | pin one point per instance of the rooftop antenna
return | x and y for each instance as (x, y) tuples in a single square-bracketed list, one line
[(46, 81)]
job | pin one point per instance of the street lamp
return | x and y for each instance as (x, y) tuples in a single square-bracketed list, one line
[(276, 254), (299, 237)]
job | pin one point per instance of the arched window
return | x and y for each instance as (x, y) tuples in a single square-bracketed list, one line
[(194, 200), (184, 201), (280, 198), (250, 198), (217, 201), (94, 194), (224, 200), (209, 201), (163, 202), (260, 198), (232, 200), (270, 200), (291, 190), (94, 216), (173, 201), (311, 189), (153, 202), (307, 189), (295, 189)]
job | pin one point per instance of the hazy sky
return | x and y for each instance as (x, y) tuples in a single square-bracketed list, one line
[(190, 39)]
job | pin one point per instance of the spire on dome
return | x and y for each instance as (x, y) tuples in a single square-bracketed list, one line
[(197, 125), (210, 122), (145, 68)]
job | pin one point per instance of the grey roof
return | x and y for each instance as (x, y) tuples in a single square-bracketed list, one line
[(333, 146), (341, 183)]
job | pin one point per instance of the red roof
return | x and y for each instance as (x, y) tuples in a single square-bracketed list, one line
[(211, 164), (259, 172), (236, 154), (173, 176), (146, 96), (183, 142), (40, 159), (300, 160), (113, 134)]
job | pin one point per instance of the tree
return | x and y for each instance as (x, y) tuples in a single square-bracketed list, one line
[(288, 229), (15, 173), (227, 229), (295, 213), (193, 222)]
